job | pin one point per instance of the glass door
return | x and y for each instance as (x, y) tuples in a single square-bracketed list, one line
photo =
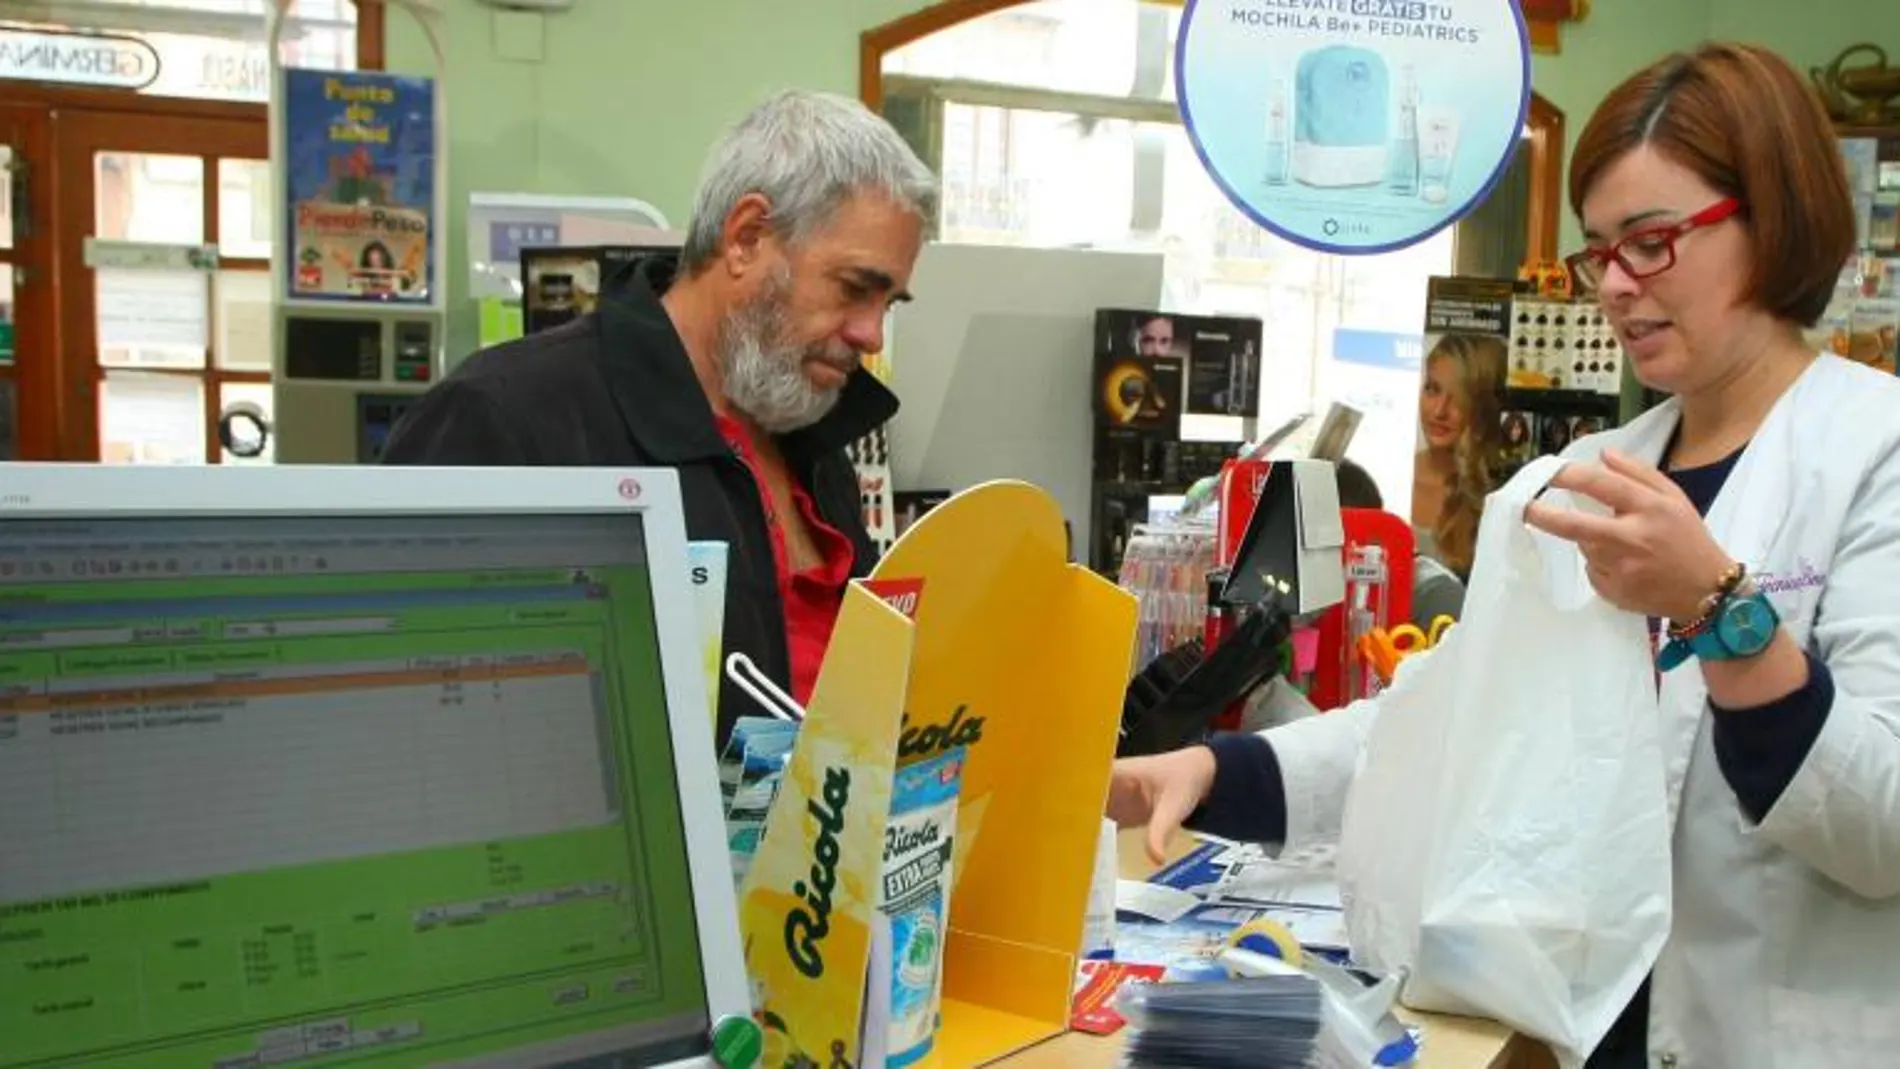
[(28, 371), (166, 312)]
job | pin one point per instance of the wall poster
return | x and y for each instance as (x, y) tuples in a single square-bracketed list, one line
[(1461, 431), (359, 165), (1507, 376), (1354, 126)]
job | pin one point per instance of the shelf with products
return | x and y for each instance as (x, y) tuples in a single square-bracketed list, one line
[(1563, 346), (1572, 402), (1149, 370), (1127, 494), (1862, 322)]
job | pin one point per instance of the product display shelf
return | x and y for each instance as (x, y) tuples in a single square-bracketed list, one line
[(975, 633)]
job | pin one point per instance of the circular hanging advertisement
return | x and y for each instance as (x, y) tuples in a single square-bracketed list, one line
[(1354, 126)]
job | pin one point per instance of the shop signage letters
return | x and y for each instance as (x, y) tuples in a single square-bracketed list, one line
[(102, 60)]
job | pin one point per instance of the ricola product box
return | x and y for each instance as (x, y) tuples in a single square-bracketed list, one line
[(919, 843)]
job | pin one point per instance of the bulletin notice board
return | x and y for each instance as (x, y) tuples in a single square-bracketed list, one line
[(359, 172)]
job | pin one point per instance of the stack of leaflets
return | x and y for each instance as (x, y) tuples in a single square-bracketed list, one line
[(1226, 887), (1267, 1022)]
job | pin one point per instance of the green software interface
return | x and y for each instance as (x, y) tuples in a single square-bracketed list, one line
[(377, 792)]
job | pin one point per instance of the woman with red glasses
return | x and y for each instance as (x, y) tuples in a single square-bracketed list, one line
[(1754, 518)]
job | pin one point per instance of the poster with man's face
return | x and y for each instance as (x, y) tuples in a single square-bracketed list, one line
[(1221, 355), (1155, 337)]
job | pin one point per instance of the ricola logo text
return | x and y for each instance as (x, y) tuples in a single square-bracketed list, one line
[(962, 730), (809, 922), (907, 840)]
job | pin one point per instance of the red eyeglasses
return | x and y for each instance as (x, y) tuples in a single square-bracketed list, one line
[(1643, 253)]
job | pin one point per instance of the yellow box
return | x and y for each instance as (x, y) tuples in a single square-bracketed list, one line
[(1022, 658)]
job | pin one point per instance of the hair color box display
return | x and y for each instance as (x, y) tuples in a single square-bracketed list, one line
[(1563, 345)]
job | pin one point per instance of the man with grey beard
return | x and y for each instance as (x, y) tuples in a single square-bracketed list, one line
[(739, 368)]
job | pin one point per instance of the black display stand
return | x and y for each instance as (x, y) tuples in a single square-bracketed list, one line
[(563, 283), (1150, 369)]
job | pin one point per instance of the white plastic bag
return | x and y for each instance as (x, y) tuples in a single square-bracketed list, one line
[(1506, 841)]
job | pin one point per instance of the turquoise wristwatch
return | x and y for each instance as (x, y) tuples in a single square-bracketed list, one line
[(1742, 624)]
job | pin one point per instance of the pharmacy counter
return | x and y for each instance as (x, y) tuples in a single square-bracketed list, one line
[(1449, 1042)]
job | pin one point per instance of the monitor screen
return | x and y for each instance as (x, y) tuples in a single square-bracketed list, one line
[(384, 792)]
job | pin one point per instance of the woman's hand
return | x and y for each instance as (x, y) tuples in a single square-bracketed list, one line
[(1160, 792), (1654, 555)]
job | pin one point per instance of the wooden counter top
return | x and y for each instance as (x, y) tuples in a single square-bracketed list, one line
[(1449, 1042)]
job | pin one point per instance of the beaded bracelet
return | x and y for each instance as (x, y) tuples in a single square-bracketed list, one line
[(1724, 589)]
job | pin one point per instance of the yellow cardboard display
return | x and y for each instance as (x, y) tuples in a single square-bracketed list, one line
[(805, 907), (1016, 655), (1023, 658)]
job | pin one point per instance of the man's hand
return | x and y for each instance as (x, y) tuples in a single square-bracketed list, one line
[(1160, 792)]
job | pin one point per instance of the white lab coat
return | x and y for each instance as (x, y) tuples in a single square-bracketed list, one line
[(1784, 951)]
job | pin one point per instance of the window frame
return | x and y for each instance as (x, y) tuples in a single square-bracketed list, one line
[(372, 35)]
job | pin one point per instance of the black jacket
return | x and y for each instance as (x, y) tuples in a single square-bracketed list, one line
[(615, 389)]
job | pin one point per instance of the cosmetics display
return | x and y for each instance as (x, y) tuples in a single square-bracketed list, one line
[(1863, 318), (1563, 345), (1136, 479), (563, 283), (1150, 369), (912, 505), (1862, 321), (871, 456)]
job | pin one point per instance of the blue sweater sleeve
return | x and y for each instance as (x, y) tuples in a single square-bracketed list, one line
[(1759, 750), (1248, 800)]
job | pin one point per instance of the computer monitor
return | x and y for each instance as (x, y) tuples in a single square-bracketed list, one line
[(386, 768)]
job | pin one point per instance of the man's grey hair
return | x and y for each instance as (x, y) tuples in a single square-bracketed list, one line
[(807, 153)]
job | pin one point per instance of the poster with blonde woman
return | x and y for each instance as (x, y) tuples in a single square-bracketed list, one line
[(1461, 443)]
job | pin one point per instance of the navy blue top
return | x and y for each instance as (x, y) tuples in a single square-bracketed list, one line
[(1759, 750)]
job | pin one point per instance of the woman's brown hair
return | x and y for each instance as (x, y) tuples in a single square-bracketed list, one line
[(1481, 360), (1750, 126)]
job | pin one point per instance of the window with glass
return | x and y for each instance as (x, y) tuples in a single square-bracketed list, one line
[(180, 329), (177, 346), (1058, 128)]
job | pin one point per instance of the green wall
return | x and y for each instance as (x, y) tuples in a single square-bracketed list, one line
[(1809, 32), (616, 97), (1622, 35), (1618, 38), (623, 97)]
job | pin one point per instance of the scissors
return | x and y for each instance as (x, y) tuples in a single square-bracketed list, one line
[(1384, 648)]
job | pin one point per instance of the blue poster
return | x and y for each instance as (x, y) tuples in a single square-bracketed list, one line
[(359, 166), (1354, 126)]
